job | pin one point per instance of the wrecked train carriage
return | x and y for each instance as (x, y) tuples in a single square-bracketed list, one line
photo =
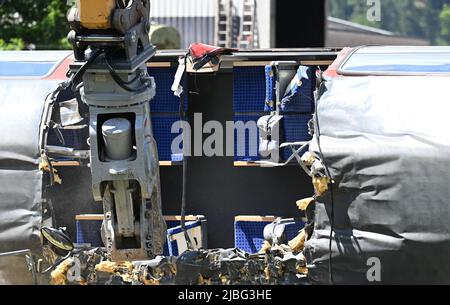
[(26, 78), (381, 129), (61, 164)]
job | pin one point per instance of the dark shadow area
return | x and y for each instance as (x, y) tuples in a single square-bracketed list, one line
[(300, 24)]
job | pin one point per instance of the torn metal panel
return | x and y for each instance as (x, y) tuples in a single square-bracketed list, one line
[(386, 143)]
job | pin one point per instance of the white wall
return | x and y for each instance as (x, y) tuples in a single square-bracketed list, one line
[(266, 24), (183, 8), (197, 14)]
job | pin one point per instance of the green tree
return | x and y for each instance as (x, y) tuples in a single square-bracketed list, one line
[(38, 22), (426, 19), (432, 20), (340, 9), (15, 44), (444, 18)]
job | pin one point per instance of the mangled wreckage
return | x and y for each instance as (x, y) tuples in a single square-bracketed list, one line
[(381, 133), (377, 163)]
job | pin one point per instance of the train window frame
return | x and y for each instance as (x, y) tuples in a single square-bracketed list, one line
[(378, 51)]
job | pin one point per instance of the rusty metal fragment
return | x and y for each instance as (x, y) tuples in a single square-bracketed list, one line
[(304, 203), (320, 185), (298, 243), (59, 275)]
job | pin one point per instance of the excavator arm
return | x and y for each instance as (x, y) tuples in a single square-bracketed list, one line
[(111, 45)]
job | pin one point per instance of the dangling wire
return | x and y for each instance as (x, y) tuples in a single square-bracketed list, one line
[(125, 84), (76, 78), (56, 263), (184, 186)]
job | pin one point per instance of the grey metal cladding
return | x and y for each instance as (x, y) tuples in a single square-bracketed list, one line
[(21, 106), (386, 142)]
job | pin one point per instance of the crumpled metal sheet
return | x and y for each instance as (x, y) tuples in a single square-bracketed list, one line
[(200, 267), (386, 142), (21, 107)]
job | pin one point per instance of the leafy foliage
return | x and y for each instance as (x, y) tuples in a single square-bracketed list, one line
[(427, 19), (445, 23), (36, 22), (15, 44)]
